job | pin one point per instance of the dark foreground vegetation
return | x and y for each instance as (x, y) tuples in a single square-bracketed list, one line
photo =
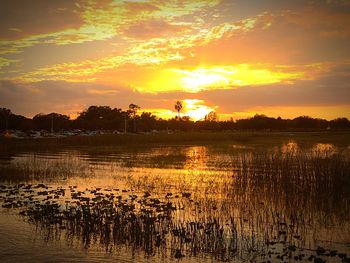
[(107, 118)]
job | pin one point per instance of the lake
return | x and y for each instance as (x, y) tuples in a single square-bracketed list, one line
[(251, 201)]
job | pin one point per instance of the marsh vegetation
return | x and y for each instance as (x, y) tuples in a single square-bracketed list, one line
[(249, 200)]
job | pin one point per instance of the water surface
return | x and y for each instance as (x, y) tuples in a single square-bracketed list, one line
[(276, 196)]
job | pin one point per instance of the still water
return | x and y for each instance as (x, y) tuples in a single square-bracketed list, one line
[(255, 202)]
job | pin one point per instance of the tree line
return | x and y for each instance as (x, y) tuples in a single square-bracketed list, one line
[(131, 120)]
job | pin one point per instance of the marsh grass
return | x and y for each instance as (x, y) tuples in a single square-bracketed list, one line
[(33, 167), (319, 178)]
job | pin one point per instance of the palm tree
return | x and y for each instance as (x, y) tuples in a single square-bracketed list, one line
[(178, 107), (133, 108)]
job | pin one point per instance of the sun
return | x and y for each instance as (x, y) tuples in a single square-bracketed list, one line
[(195, 109)]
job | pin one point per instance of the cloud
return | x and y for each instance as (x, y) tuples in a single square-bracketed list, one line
[(20, 19), (152, 28), (57, 23), (330, 89), (152, 52), (4, 62), (137, 8), (311, 97), (74, 22), (214, 77), (282, 37)]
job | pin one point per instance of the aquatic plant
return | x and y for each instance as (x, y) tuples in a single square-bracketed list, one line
[(143, 221)]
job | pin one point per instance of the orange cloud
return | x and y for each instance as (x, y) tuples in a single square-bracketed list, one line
[(152, 28), (137, 8), (21, 19), (4, 62), (96, 21)]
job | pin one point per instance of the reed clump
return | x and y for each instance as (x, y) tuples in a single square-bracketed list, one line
[(317, 175), (114, 217), (141, 221)]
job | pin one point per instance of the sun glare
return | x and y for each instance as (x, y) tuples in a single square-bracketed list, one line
[(200, 79), (195, 109)]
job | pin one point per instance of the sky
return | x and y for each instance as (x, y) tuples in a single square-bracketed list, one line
[(236, 57)]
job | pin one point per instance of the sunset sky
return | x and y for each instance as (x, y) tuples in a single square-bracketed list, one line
[(237, 57)]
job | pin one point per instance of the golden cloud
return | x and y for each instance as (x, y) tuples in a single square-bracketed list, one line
[(215, 77), (100, 21), (153, 29), (155, 51), (5, 62), (21, 19)]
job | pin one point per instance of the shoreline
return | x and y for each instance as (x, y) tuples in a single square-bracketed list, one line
[(258, 137)]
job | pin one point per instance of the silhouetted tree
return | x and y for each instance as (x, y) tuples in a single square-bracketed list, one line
[(178, 107), (211, 116), (100, 117), (147, 122), (133, 108), (306, 122), (340, 123), (51, 122), (104, 117)]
